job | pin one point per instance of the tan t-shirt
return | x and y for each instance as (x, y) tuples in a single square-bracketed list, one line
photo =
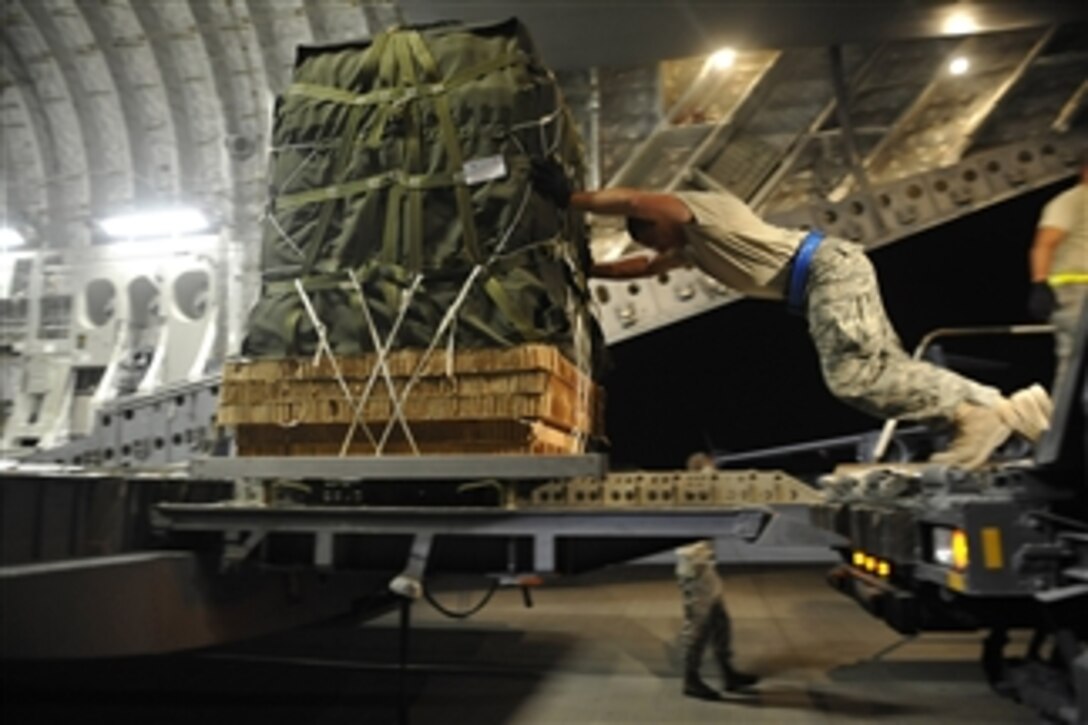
[(728, 241), (697, 573), (1068, 211)]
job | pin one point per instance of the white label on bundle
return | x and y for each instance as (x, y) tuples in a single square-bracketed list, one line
[(477, 171)]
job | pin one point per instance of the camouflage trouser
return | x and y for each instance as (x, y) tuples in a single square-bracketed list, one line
[(1071, 300), (862, 360), (705, 622)]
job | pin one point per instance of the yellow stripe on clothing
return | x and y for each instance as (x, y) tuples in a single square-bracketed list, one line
[(1064, 278)]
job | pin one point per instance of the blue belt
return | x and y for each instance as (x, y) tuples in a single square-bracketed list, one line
[(795, 299)]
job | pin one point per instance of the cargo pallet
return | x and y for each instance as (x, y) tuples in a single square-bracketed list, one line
[(524, 400)]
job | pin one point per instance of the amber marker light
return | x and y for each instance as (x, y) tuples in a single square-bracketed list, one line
[(960, 556), (870, 563), (884, 568), (859, 559)]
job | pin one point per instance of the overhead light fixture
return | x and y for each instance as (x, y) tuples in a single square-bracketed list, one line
[(164, 223), (10, 239), (959, 23), (722, 59), (959, 65), (130, 249)]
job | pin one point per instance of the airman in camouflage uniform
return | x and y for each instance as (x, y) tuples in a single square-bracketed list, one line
[(861, 357), (865, 366), (706, 621), (862, 360)]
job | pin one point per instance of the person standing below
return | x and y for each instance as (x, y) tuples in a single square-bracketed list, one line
[(832, 283), (706, 621), (1059, 267)]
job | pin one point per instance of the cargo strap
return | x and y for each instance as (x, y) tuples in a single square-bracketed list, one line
[(1066, 278), (382, 365), (383, 353), (509, 307), (323, 348), (452, 140), (342, 157), (795, 299), (404, 94), (492, 287), (283, 279), (454, 309), (410, 199), (394, 178), (310, 283)]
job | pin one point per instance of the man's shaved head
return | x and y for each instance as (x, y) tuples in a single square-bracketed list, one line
[(661, 236)]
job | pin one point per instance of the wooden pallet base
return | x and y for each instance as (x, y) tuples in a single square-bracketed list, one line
[(527, 399), (505, 437)]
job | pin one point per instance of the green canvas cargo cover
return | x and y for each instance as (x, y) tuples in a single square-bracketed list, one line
[(402, 163)]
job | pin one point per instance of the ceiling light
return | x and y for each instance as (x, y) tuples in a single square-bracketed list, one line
[(10, 239), (958, 66), (129, 249), (164, 223), (959, 23), (722, 59)]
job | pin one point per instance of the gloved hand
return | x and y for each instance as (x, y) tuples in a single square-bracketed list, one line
[(550, 181), (1041, 301)]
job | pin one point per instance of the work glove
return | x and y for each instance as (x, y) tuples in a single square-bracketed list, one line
[(1041, 301), (550, 181)]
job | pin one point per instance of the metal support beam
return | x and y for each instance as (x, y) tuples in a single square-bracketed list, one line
[(701, 178), (786, 166), (323, 549), (403, 468), (846, 124), (619, 177), (235, 550), (544, 553), (975, 125), (745, 522), (877, 156), (727, 125), (1070, 109)]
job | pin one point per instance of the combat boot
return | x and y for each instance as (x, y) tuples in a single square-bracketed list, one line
[(1028, 412), (693, 683), (735, 680), (979, 431), (695, 687)]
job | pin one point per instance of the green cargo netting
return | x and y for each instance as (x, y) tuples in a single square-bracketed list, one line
[(405, 159)]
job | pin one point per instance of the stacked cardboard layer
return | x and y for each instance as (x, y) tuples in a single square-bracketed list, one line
[(526, 399)]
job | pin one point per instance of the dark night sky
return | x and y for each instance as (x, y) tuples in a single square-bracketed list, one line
[(746, 375)]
